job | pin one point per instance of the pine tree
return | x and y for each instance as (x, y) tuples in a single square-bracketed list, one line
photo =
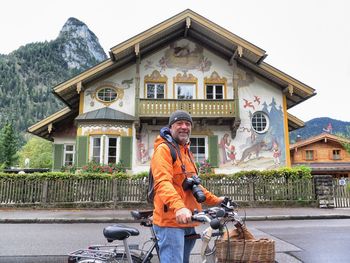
[(8, 146)]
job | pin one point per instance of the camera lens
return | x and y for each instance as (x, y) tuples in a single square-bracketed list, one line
[(198, 194)]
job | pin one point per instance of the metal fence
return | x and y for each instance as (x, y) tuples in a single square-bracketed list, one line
[(56, 192)]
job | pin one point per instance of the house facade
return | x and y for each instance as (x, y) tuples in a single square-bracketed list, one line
[(237, 101), (324, 154)]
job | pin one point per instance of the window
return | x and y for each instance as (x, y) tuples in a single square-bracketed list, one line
[(260, 122), (309, 155), (104, 149), (107, 94), (215, 92), (185, 91), (112, 150), (336, 155), (198, 148), (96, 149), (69, 152), (155, 91)]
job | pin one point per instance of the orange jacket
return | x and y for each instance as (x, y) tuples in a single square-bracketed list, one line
[(169, 194)]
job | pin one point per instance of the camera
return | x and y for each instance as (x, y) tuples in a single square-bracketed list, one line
[(192, 183)]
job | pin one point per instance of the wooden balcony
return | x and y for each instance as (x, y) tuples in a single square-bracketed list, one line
[(197, 108)]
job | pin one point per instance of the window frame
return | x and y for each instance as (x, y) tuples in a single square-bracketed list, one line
[(104, 148), (155, 90), (65, 152), (205, 146), (107, 87), (186, 84), (309, 155), (338, 156), (267, 126), (214, 90)]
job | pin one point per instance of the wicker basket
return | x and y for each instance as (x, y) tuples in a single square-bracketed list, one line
[(260, 250)]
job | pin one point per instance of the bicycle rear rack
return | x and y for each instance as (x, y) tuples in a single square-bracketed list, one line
[(93, 254)]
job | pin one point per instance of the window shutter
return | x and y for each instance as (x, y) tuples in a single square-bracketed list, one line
[(57, 157), (213, 150), (82, 151), (126, 151), (304, 155), (315, 155)]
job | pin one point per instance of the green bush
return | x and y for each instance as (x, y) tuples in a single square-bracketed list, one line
[(111, 168)]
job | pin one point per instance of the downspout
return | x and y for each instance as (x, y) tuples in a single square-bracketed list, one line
[(137, 91), (237, 119)]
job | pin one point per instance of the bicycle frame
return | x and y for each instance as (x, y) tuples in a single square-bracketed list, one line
[(110, 253)]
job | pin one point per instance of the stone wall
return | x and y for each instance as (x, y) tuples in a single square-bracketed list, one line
[(324, 190)]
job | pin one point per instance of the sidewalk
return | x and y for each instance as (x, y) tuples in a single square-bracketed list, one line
[(16, 215)]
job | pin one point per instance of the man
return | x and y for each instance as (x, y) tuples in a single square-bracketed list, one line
[(173, 205)]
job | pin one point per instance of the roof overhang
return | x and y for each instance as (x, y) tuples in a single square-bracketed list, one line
[(294, 123), (44, 127), (326, 137)]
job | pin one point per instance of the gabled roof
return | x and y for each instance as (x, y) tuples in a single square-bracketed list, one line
[(321, 137), (104, 114), (294, 122), (43, 127), (197, 28)]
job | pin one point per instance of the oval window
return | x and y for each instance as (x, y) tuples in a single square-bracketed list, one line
[(107, 94), (260, 122)]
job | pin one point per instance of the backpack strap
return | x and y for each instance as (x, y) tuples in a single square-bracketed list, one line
[(173, 151)]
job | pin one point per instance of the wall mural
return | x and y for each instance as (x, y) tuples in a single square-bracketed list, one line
[(143, 147), (250, 149), (182, 55)]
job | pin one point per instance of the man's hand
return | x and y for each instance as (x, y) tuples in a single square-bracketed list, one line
[(183, 216)]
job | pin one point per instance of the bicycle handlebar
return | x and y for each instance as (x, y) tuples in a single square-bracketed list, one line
[(214, 215)]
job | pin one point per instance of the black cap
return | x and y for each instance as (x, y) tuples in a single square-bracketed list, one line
[(179, 115)]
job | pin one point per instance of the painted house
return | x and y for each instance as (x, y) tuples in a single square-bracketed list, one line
[(324, 154), (238, 102)]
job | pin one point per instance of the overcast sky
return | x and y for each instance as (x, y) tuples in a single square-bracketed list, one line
[(309, 40)]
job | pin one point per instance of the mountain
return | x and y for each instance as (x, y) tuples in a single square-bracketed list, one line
[(319, 125), (28, 74)]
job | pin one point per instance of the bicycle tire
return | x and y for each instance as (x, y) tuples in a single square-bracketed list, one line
[(119, 258)]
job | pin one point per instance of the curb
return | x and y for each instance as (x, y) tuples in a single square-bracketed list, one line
[(130, 220)]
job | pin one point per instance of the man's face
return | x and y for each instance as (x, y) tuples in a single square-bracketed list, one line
[(181, 131)]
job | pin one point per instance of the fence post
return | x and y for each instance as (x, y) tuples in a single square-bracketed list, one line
[(115, 192), (44, 193), (324, 190)]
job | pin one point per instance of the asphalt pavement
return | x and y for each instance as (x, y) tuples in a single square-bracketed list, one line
[(26, 215)]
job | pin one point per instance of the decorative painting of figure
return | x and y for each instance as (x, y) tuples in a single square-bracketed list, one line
[(228, 153), (223, 145), (232, 154), (276, 153), (143, 156)]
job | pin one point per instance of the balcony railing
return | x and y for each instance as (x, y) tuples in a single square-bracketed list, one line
[(197, 108)]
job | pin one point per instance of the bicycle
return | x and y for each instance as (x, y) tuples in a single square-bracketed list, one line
[(131, 253)]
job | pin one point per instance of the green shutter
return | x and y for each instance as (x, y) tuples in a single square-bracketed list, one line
[(213, 150), (126, 151), (82, 151), (57, 157)]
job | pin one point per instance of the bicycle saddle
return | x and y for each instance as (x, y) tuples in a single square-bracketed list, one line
[(119, 232)]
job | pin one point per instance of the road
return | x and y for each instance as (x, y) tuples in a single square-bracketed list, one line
[(296, 241)]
